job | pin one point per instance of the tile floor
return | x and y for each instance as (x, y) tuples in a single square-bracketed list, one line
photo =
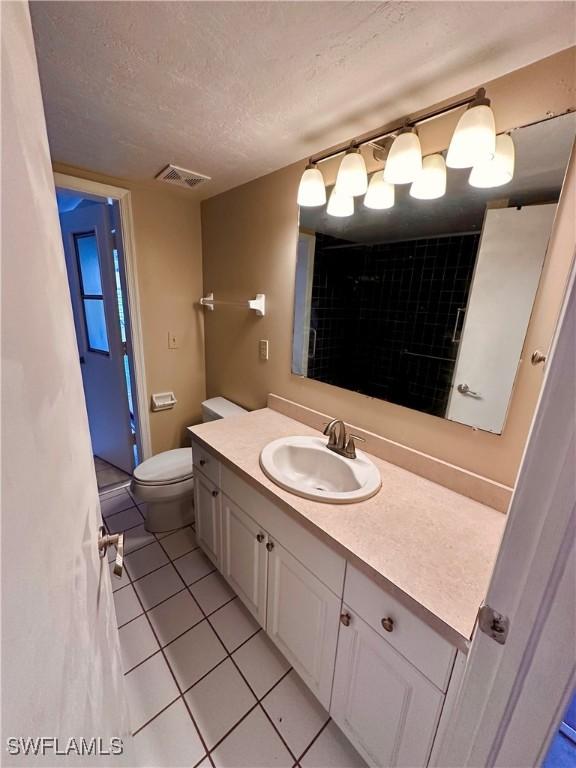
[(108, 476), (206, 687)]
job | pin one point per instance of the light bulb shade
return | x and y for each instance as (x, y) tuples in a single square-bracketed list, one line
[(431, 183), (380, 193), (404, 161), (352, 179), (312, 190), (339, 204), (497, 171), (474, 139)]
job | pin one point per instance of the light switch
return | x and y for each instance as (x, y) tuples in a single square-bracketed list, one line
[(172, 340), (263, 347)]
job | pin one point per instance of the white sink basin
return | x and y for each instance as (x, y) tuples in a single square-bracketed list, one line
[(305, 466)]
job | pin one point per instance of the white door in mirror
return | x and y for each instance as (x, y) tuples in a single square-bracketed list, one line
[(306, 467)]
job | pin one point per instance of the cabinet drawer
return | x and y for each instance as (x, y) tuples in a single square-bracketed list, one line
[(206, 462), (324, 563), (410, 636)]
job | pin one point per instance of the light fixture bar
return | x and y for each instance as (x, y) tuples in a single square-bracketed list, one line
[(382, 133)]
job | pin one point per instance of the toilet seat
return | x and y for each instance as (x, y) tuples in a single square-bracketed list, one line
[(166, 468)]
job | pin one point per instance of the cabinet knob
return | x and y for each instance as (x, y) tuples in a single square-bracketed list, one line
[(214, 493), (260, 537), (387, 623), (345, 619), (202, 462), (270, 546)]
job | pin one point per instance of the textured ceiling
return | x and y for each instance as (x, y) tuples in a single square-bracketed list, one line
[(236, 90)]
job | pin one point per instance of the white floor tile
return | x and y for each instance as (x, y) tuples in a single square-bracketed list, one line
[(261, 663), (150, 688), (179, 543), (138, 537), (233, 624), (252, 744), (174, 616), (137, 642), (169, 741), (118, 582), (194, 654), (332, 750), (212, 592), (127, 605), (124, 520), (144, 560), (295, 712), (193, 566), (157, 586), (115, 502), (219, 701)]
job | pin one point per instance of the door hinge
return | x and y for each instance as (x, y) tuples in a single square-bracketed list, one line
[(493, 624)]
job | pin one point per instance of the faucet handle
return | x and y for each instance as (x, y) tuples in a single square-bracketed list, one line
[(350, 450)]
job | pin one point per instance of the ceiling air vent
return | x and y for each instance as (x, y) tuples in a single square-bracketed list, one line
[(181, 177)]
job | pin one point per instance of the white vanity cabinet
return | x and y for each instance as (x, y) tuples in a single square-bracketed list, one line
[(303, 620), (385, 706), (245, 558), (380, 670), (208, 517)]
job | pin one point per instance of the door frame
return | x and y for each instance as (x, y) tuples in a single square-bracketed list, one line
[(124, 199)]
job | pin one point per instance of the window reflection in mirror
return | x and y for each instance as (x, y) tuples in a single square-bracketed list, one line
[(427, 304)]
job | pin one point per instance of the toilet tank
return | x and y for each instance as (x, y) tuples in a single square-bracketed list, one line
[(219, 408)]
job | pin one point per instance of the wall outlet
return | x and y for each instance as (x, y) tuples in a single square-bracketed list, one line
[(263, 348), (172, 340)]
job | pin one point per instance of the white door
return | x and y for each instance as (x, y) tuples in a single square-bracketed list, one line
[(86, 233), (385, 706), (208, 516), (302, 620), (61, 672), (510, 259), (244, 558)]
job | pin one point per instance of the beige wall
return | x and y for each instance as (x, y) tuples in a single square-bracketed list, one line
[(249, 237), (169, 264)]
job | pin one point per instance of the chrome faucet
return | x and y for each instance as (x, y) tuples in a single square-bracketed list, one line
[(339, 440)]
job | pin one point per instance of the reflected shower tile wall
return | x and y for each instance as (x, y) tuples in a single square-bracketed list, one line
[(385, 316)]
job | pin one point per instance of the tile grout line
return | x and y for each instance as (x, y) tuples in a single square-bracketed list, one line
[(229, 655), (194, 723)]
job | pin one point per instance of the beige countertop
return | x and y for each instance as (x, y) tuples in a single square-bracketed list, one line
[(431, 547)]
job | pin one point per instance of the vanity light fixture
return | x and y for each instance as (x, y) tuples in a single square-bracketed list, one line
[(474, 139), (473, 145), (431, 183), (380, 194), (497, 171), (352, 178), (340, 205), (312, 189), (404, 162)]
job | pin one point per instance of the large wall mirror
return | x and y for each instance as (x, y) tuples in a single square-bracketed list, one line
[(426, 304)]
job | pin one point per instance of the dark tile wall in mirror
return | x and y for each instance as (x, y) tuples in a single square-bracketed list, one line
[(387, 317)]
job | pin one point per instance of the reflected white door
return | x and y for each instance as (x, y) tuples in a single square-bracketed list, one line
[(510, 258), (86, 234)]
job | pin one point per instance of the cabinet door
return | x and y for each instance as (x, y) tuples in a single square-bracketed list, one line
[(244, 558), (302, 620), (385, 706), (207, 514)]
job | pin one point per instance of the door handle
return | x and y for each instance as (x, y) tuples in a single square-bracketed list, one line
[(464, 389), (116, 539)]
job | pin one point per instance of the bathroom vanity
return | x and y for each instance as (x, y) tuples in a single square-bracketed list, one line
[(372, 603)]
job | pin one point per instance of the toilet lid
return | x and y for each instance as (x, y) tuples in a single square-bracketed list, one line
[(166, 467)]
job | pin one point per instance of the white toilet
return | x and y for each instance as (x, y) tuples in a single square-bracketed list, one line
[(165, 482)]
